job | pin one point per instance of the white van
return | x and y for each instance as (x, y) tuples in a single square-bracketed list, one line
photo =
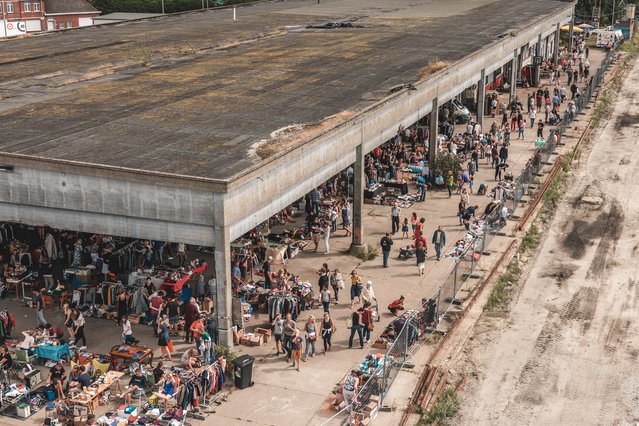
[(608, 37)]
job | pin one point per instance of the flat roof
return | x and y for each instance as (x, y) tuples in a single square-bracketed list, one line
[(195, 94)]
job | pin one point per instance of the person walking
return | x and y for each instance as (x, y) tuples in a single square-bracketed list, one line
[(78, 327), (326, 235), (290, 329), (503, 154), (356, 327), (296, 349), (191, 313), (368, 294), (122, 301), (386, 244), (405, 228), (38, 304), (337, 282), (68, 320), (325, 297), (328, 328), (450, 183), (540, 130), (439, 241), (367, 321), (356, 287), (164, 339), (395, 211), (532, 115), (310, 336), (346, 217), (278, 330), (420, 255)]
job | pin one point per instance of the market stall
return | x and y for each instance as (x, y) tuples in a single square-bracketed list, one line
[(91, 396), (123, 355), (53, 351), (179, 277)]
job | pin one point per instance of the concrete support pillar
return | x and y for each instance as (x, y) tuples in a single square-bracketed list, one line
[(358, 201), (481, 95), (570, 31), (555, 51), (546, 47), (538, 46), (513, 76), (433, 130), (223, 308)]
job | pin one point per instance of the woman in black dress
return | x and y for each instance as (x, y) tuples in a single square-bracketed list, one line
[(122, 304)]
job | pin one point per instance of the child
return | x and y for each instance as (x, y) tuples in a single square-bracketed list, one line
[(405, 228)]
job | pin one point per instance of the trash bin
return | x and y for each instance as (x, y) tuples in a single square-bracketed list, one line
[(243, 371)]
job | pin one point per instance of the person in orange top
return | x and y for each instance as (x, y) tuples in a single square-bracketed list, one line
[(197, 328)]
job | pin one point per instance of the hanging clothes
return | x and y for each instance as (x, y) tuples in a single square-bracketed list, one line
[(50, 247), (77, 256)]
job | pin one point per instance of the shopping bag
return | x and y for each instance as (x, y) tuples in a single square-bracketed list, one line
[(170, 345)]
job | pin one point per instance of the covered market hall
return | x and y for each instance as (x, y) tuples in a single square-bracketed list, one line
[(155, 140)]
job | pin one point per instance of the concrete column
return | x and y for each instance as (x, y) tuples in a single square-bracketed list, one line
[(555, 51), (513, 76), (570, 32), (433, 130), (481, 90), (224, 288), (546, 47), (358, 201)]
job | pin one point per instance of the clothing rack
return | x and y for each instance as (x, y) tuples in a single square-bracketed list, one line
[(121, 250), (286, 303)]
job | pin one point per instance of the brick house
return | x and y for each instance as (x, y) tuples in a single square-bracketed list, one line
[(18, 17), (61, 14)]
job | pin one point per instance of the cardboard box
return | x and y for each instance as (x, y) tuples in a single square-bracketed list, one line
[(245, 340), (380, 345), (264, 332), (256, 340)]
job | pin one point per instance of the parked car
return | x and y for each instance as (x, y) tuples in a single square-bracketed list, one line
[(460, 112)]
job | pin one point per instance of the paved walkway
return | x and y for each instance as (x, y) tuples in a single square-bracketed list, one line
[(282, 395)]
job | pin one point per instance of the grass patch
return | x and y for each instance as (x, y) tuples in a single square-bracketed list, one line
[(433, 66), (531, 240), (500, 296), (370, 253), (446, 407)]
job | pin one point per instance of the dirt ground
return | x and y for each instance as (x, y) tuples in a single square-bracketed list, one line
[(566, 352)]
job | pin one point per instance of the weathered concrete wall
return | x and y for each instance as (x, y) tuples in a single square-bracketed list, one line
[(111, 206), (255, 197)]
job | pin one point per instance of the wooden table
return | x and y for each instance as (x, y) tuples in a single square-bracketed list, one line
[(146, 355), (90, 401)]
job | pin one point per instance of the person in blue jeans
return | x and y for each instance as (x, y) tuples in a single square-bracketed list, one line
[(357, 328), (439, 240), (290, 327), (386, 244)]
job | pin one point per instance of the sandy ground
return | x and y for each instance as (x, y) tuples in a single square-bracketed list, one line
[(566, 353)]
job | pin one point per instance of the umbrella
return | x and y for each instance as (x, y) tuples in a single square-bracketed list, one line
[(575, 29), (586, 26)]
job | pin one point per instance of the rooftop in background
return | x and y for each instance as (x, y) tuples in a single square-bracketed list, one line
[(123, 16), (194, 94), (58, 7)]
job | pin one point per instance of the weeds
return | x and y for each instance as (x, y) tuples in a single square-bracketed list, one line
[(446, 407), (531, 240), (499, 296), (370, 253), (141, 55), (229, 355)]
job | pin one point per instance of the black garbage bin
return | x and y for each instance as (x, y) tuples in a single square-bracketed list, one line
[(243, 371)]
